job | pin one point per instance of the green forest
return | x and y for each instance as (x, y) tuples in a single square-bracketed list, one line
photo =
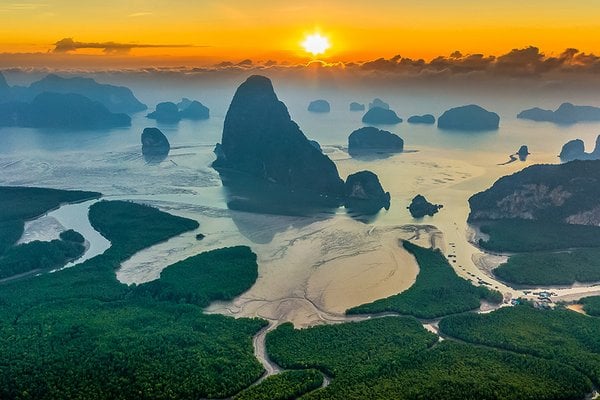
[(562, 335), (437, 291), (552, 268), (80, 334), (545, 253), (515, 236), (396, 358), (286, 385)]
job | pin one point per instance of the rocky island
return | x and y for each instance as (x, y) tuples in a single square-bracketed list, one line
[(169, 112), (165, 112), (575, 150), (261, 140), (469, 118), (364, 193), (155, 145), (564, 193), (319, 106), (381, 116), (427, 119), (566, 113), (194, 111), (373, 140), (61, 111), (117, 99), (354, 106), (378, 103), (420, 207)]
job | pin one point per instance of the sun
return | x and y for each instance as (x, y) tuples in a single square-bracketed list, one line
[(316, 44)]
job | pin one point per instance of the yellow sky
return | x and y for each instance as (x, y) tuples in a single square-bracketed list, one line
[(261, 30)]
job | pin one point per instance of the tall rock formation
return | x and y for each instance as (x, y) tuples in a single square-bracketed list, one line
[(261, 140)]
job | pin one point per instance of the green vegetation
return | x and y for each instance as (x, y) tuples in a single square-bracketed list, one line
[(395, 358), (437, 291), (19, 204), (346, 349), (79, 333), (114, 220), (217, 275), (38, 256), (547, 253), (72, 236), (560, 335), (286, 385), (515, 235), (552, 268), (591, 305)]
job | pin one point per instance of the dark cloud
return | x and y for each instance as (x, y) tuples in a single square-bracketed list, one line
[(525, 62), (68, 44)]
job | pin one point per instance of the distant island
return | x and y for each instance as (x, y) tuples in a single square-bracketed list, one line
[(61, 111), (169, 112), (155, 145), (381, 116), (420, 207), (575, 150), (319, 106), (469, 118), (354, 106), (421, 119), (373, 140), (378, 103), (566, 114), (117, 99)]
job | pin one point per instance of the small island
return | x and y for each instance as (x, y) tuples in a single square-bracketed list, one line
[(378, 103), (469, 118), (354, 106), (381, 116), (372, 140), (426, 119), (364, 193), (319, 106), (155, 145), (420, 207), (169, 112)]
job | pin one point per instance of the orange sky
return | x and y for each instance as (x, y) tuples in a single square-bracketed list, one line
[(261, 30)]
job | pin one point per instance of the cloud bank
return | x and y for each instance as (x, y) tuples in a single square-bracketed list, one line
[(69, 44)]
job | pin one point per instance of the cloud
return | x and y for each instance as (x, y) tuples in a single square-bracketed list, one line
[(524, 62), (68, 44), (139, 14)]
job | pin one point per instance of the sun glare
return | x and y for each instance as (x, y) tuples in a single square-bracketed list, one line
[(316, 44)]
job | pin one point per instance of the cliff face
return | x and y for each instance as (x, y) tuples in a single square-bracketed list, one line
[(365, 194), (567, 193), (261, 140)]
